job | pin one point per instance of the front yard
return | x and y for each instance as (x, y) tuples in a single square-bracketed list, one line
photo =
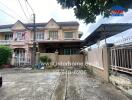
[(55, 85)]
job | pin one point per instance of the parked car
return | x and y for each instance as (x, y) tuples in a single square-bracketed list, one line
[(0, 80)]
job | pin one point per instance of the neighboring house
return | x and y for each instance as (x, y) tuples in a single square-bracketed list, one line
[(63, 37)]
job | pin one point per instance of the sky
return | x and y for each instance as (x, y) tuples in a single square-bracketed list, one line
[(47, 9)]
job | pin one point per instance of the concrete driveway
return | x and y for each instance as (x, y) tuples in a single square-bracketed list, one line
[(55, 85)]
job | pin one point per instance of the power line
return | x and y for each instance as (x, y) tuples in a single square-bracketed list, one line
[(9, 9), (22, 9), (8, 14), (30, 6), (27, 8)]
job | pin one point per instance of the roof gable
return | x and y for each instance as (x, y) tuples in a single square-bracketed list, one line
[(18, 26), (52, 24)]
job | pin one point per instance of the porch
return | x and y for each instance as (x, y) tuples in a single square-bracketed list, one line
[(62, 47), (21, 56)]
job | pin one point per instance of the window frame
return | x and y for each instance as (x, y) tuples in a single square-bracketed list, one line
[(68, 33), (72, 51), (8, 36), (20, 37), (40, 35), (53, 35)]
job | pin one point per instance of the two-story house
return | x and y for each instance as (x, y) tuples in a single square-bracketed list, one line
[(52, 36)]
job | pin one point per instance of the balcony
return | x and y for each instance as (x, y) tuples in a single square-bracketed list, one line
[(5, 42), (20, 42)]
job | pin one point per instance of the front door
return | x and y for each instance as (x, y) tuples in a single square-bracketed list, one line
[(19, 55)]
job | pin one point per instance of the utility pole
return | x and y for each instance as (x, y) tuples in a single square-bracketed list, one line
[(34, 42)]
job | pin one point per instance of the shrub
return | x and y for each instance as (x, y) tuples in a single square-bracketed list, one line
[(5, 54), (44, 59)]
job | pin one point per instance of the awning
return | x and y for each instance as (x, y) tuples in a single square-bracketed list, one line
[(5, 30), (59, 41), (105, 31)]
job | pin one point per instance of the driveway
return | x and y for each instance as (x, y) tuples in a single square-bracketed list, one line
[(55, 85)]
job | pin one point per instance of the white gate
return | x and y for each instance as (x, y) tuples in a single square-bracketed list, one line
[(20, 58)]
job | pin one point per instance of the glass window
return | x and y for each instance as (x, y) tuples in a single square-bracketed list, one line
[(70, 51), (8, 36), (66, 51), (68, 35), (20, 35), (39, 35), (53, 35)]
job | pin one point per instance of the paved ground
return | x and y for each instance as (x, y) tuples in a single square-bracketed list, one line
[(55, 85)]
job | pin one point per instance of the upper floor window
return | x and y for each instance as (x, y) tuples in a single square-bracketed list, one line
[(8, 36), (68, 35), (39, 35), (20, 36), (53, 35)]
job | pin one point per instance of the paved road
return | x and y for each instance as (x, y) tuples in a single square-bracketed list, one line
[(56, 85)]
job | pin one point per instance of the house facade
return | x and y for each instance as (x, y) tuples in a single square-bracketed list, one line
[(52, 36)]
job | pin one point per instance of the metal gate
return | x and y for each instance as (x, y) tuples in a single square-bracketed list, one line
[(121, 58), (20, 59)]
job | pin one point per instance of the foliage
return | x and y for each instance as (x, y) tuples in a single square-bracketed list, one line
[(45, 59), (88, 10), (5, 54)]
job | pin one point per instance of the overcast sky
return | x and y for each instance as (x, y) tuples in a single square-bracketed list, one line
[(47, 9)]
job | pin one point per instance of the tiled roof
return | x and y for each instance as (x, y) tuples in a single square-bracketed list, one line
[(29, 25)]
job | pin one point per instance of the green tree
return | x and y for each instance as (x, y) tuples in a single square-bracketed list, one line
[(5, 54), (88, 10)]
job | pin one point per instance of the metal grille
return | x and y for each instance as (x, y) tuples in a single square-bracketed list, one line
[(22, 62), (121, 59)]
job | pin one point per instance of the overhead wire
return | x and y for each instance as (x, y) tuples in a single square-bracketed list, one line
[(28, 11), (8, 14), (30, 6), (13, 17), (10, 9), (27, 8), (22, 9)]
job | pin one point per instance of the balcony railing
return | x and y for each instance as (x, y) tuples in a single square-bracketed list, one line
[(5, 42)]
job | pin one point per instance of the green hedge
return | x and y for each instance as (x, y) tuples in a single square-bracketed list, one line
[(5, 54)]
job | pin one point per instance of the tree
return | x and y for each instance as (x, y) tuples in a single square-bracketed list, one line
[(5, 54), (88, 10)]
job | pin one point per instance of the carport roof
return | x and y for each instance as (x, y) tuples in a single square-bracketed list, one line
[(61, 41), (105, 31)]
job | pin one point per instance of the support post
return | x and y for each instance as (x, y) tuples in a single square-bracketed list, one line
[(34, 43)]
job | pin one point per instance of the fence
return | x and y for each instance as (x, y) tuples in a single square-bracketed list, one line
[(70, 60), (64, 60), (97, 61), (121, 58), (95, 58)]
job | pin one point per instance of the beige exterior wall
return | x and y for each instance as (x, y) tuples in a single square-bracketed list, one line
[(1, 36), (61, 33), (95, 58), (98, 61)]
